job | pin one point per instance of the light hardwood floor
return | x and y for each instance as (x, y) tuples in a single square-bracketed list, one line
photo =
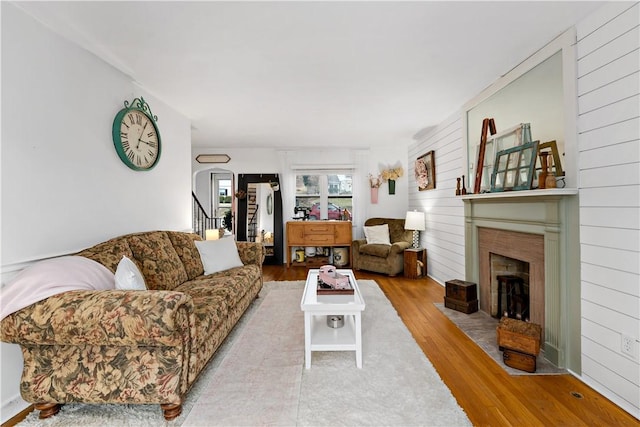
[(489, 396)]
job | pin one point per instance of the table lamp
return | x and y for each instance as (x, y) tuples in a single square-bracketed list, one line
[(415, 221)]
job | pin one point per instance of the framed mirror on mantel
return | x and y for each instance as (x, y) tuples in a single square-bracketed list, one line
[(540, 91)]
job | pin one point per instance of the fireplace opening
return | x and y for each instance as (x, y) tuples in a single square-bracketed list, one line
[(510, 294)]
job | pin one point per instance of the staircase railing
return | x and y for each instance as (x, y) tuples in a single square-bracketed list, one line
[(200, 221), (252, 231)]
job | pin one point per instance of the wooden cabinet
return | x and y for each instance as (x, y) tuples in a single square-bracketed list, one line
[(411, 258), (318, 234)]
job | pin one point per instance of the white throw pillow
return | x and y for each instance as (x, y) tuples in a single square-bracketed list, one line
[(218, 255), (377, 234), (128, 276)]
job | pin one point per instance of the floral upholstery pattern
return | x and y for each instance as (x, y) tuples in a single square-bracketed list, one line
[(187, 251), (109, 253), (251, 253), (133, 346), (161, 265)]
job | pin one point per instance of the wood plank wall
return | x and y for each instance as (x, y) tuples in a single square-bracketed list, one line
[(609, 181), (444, 236)]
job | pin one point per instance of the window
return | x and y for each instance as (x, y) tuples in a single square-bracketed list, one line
[(223, 204), (325, 196)]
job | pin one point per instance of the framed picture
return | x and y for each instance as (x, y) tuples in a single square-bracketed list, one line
[(425, 171), (514, 168)]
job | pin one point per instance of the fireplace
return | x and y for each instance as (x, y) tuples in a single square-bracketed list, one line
[(510, 253), (532, 235), (510, 290)]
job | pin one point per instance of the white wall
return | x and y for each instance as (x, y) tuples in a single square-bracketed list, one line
[(609, 176), (608, 64), (64, 187), (444, 236)]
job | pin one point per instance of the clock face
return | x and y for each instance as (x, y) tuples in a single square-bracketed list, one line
[(136, 139)]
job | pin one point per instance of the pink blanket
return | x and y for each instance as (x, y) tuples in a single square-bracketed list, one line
[(50, 277)]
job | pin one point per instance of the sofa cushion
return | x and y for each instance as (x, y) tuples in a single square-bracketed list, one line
[(375, 249), (218, 255), (214, 295), (186, 249), (378, 234), (109, 253), (161, 265)]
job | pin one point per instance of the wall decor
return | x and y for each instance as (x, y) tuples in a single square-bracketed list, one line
[(425, 171), (487, 125), (555, 164), (514, 168), (512, 137), (270, 204), (213, 158), (135, 135), (391, 175), (374, 182)]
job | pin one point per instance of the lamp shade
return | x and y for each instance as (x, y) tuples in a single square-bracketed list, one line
[(212, 234), (414, 221)]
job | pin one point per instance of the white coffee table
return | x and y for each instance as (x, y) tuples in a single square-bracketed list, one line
[(320, 337)]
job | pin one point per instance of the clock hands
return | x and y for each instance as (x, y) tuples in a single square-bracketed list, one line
[(141, 133)]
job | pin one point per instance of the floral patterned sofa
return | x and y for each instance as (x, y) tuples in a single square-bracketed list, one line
[(134, 347)]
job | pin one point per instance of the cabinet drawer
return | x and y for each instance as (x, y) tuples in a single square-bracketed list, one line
[(313, 229), (318, 239)]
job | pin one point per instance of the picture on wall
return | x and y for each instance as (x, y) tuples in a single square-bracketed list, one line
[(425, 171)]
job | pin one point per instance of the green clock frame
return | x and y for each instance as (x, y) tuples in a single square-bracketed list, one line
[(141, 106)]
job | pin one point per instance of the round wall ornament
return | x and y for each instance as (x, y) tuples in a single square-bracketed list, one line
[(136, 136)]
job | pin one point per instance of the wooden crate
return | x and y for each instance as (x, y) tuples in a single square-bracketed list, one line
[(461, 290), (520, 336), (467, 307), (517, 360)]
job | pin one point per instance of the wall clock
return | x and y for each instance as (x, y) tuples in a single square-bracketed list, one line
[(136, 136)]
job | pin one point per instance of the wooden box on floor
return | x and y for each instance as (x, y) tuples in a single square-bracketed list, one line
[(517, 360), (461, 290), (463, 306), (520, 336), (461, 296)]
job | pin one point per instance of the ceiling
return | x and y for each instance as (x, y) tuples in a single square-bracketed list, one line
[(319, 74)]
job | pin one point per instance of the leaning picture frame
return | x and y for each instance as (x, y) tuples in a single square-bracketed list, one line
[(425, 171), (514, 168)]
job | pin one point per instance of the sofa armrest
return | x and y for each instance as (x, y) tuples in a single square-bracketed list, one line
[(251, 252), (113, 317), (355, 244), (399, 247)]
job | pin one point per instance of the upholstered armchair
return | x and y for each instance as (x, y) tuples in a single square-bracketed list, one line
[(380, 257)]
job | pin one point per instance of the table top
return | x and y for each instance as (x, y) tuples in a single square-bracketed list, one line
[(311, 301)]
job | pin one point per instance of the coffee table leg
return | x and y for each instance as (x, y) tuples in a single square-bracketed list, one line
[(307, 340), (358, 341)]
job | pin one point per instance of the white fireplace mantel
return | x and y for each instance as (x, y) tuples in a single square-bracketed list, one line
[(553, 214), (521, 194)]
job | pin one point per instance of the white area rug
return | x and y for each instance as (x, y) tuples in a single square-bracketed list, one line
[(258, 377)]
